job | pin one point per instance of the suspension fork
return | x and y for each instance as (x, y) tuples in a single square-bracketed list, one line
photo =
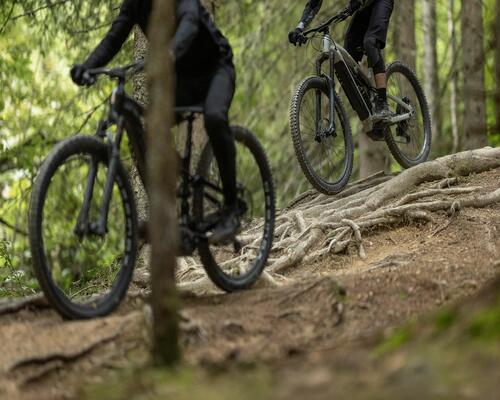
[(114, 159), (82, 226), (331, 93)]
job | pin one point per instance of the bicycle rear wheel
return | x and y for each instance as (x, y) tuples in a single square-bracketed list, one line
[(408, 141), (237, 265), (83, 275), (326, 159)]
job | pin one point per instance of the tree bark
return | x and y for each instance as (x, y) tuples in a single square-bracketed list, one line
[(373, 156), (141, 96), (454, 77), (161, 187), (473, 63), (403, 24), (431, 81), (140, 53), (497, 66)]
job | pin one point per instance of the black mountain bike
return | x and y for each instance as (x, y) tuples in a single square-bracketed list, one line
[(83, 224), (320, 127)]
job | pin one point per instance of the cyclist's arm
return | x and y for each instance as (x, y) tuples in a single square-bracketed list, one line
[(310, 11), (114, 39), (188, 26)]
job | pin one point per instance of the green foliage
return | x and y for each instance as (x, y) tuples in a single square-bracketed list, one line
[(185, 384), (39, 105), (402, 336), (485, 324), (444, 320), (13, 281)]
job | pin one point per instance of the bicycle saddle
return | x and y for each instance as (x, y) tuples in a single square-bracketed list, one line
[(188, 112)]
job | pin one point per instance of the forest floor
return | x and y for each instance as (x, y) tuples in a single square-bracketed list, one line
[(340, 326)]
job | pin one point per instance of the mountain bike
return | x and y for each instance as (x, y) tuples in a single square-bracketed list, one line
[(320, 126), (83, 224)]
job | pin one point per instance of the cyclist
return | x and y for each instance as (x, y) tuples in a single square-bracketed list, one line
[(205, 75), (367, 33)]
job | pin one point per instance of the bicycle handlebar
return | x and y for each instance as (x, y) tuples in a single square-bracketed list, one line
[(119, 73), (341, 16)]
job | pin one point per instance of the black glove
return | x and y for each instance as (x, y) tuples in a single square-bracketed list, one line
[(296, 37), (354, 5), (79, 75)]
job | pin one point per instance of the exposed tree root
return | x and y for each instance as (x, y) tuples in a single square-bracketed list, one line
[(315, 225), (9, 305)]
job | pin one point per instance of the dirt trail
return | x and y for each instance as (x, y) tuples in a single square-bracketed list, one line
[(328, 311)]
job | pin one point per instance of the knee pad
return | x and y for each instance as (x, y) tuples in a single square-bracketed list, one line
[(375, 59)]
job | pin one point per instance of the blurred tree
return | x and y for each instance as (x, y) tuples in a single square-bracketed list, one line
[(453, 77), (431, 81), (161, 167), (473, 74), (496, 27), (403, 32)]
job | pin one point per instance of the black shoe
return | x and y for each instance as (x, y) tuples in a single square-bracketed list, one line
[(227, 228), (377, 133), (381, 112)]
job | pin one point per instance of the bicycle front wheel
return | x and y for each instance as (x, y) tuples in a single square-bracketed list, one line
[(326, 158), (82, 273), (237, 265)]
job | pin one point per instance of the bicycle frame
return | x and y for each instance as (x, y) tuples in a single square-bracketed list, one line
[(337, 57), (351, 78), (125, 113)]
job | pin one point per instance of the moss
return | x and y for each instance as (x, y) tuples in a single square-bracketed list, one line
[(396, 340), (485, 325), (444, 320)]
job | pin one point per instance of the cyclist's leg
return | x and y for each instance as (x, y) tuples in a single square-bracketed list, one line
[(355, 34), (374, 42), (217, 102), (376, 34)]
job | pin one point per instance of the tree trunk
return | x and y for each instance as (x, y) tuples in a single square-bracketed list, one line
[(141, 96), (497, 66), (373, 156), (140, 53), (431, 81), (454, 77), (473, 62), (161, 167), (403, 24)]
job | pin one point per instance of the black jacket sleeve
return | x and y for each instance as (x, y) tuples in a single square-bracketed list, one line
[(114, 39), (188, 25), (310, 11)]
